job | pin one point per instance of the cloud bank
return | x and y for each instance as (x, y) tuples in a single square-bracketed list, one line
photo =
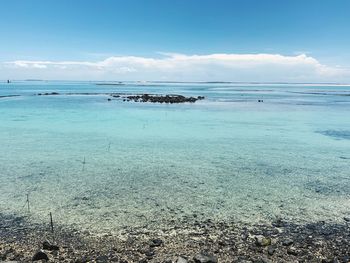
[(180, 67)]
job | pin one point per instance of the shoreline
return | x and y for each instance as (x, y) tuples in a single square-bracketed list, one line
[(200, 241)]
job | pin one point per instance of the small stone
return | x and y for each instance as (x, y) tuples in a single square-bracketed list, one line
[(262, 241), (156, 242), (345, 259), (287, 242), (330, 260), (279, 223), (204, 257), (181, 260), (265, 260), (271, 250), (292, 251), (347, 219), (102, 259), (149, 254), (48, 246), (40, 255)]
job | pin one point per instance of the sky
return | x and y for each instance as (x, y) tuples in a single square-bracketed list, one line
[(176, 40)]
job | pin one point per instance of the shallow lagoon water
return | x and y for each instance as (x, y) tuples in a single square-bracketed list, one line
[(226, 157)]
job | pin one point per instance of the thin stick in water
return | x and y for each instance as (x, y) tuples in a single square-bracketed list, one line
[(51, 226), (28, 205), (84, 164), (51, 223)]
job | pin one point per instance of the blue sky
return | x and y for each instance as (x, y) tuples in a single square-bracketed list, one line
[(96, 30)]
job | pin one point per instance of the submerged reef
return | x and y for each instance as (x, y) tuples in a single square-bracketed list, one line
[(185, 241)]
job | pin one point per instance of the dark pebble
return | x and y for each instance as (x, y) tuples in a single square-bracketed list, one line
[(40, 255), (287, 242), (149, 254), (292, 251), (102, 259), (279, 223), (48, 246), (204, 257), (271, 250), (345, 259), (156, 242)]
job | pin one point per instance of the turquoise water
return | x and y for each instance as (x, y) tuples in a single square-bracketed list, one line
[(226, 157)]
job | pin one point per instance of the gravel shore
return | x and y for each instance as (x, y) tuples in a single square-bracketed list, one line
[(198, 241)]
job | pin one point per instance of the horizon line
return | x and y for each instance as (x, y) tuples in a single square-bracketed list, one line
[(169, 81)]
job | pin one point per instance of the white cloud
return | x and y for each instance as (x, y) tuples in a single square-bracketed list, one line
[(180, 67)]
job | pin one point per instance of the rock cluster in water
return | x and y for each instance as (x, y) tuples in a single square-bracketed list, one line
[(161, 98), (48, 93), (153, 98)]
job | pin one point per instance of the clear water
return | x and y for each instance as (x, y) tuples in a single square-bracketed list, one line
[(226, 157)]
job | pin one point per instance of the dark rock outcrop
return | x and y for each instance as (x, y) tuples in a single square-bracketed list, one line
[(163, 98), (48, 93)]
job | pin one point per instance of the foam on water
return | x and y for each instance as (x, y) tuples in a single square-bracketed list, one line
[(226, 157)]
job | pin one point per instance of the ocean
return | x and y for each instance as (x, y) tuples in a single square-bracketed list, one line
[(248, 152)]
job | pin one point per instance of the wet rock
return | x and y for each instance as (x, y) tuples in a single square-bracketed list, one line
[(48, 246), (287, 242), (204, 257), (40, 255), (262, 241), (156, 242)]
